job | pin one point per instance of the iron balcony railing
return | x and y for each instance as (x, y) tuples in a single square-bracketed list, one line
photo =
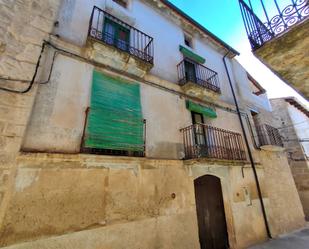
[(268, 135), (190, 71), (201, 140), (261, 29), (108, 29)]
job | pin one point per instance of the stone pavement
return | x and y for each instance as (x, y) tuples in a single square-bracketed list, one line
[(295, 240)]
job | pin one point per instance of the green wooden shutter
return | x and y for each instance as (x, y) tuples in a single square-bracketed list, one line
[(206, 111), (191, 55), (115, 119)]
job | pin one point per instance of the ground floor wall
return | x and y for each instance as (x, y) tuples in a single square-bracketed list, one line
[(285, 211), (89, 202), (300, 171)]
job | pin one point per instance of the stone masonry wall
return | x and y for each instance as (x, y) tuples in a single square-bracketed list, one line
[(24, 24), (284, 209)]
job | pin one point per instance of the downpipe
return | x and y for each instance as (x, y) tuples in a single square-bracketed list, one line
[(248, 148)]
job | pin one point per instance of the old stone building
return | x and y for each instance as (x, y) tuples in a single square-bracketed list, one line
[(293, 118), (126, 124), (278, 34)]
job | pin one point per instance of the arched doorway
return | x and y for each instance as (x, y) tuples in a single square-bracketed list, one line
[(210, 213)]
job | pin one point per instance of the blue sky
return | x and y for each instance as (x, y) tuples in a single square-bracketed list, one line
[(223, 18)]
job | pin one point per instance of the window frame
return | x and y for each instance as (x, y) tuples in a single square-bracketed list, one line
[(122, 3), (116, 41), (188, 40)]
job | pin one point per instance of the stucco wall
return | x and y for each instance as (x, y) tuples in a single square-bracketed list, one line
[(103, 198), (60, 107), (73, 26), (58, 116)]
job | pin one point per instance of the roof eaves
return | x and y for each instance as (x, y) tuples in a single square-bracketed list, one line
[(293, 101), (256, 84)]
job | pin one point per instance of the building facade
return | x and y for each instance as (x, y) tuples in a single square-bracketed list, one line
[(293, 118), (119, 129)]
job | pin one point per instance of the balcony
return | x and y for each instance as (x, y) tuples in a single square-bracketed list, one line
[(198, 80), (269, 138), (203, 141), (121, 45), (279, 38)]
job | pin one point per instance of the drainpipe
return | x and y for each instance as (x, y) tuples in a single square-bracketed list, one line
[(248, 148)]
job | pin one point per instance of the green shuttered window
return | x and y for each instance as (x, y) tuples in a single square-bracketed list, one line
[(191, 55), (115, 119), (206, 111)]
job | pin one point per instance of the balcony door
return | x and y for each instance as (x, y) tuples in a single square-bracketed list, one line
[(190, 71), (116, 35), (199, 134)]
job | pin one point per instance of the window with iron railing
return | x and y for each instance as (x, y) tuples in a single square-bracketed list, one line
[(268, 135), (202, 140), (191, 71), (108, 29)]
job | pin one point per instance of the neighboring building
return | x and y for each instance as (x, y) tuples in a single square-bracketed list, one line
[(293, 118), (278, 33), (129, 136)]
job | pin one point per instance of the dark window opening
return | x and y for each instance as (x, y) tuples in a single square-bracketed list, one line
[(122, 3), (188, 41), (190, 71), (197, 118)]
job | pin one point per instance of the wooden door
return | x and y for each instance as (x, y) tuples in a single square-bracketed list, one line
[(210, 213)]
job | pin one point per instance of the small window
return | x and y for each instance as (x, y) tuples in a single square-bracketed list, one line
[(123, 3), (188, 40)]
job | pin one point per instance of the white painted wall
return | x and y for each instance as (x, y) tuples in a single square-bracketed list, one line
[(244, 88), (301, 126), (58, 117), (168, 35)]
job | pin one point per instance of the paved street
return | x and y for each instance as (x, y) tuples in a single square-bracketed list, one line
[(296, 240)]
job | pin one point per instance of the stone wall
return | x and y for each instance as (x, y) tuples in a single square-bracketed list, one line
[(23, 26), (284, 209), (297, 159), (60, 200), (286, 56)]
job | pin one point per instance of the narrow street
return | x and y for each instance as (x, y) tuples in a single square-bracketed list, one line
[(296, 240)]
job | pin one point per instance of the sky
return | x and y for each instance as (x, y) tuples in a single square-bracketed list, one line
[(223, 18)]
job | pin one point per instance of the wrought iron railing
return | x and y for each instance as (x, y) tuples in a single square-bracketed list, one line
[(261, 30), (190, 71), (201, 140), (120, 35), (268, 135)]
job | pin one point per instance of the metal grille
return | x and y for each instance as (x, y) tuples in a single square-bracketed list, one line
[(198, 74), (138, 43), (201, 140), (268, 135), (262, 29)]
